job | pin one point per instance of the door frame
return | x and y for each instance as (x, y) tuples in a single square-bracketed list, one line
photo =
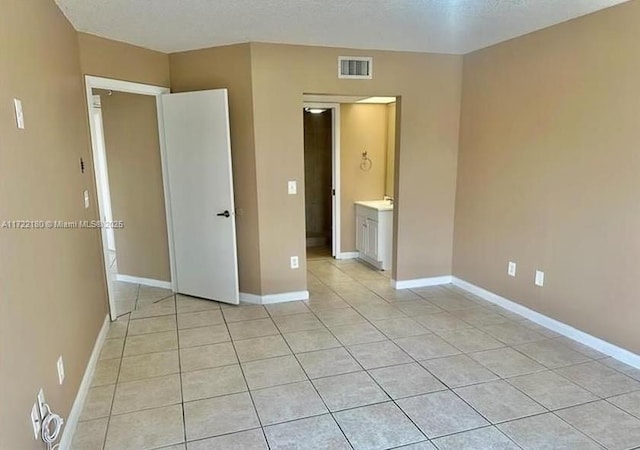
[(92, 82), (103, 173), (335, 172)]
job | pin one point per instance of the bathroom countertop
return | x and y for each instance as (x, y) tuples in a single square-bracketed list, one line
[(380, 205)]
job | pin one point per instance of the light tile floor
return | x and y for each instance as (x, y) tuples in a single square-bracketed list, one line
[(360, 366)]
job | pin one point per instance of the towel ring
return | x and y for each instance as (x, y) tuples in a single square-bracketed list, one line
[(366, 163)]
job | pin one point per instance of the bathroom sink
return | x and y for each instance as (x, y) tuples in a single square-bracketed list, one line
[(380, 205)]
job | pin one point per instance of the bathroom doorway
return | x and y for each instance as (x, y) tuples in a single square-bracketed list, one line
[(349, 156), (319, 180)]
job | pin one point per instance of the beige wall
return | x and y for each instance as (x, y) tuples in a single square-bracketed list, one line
[(391, 150), (135, 182), (52, 299), (425, 188), (549, 172), (230, 67), (111, 59), (362, 127)]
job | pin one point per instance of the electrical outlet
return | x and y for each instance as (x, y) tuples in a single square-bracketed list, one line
[(295, 262), (511, 270), (539, 278), (41, 403), (292, 187), (35, 422), (60, 370)]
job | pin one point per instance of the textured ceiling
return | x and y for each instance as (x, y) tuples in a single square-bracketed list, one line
[(440, 26)]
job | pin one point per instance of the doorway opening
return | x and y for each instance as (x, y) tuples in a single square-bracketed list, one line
[(319, 128), (349, 156), (131, 193)]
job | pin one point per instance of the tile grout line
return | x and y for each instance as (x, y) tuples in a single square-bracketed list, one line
[(184, 416), (244, 377), (315, 388), (115, 389)]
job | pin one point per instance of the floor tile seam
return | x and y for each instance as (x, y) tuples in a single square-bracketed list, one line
[(298, 331), (153, 332), (589, 359), (316, 390), (517, 389), (106, 431), (246, 382), (469, 354), (148, 408), (498, 422), (508, 380), (150, 353), (432, 440), (575, 428), (184, 417), (635, 416), (600, 397), (153, 316), (202, 439), (253, 337), (335, 336)]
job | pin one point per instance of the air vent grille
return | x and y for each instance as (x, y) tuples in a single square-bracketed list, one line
[(355, 67)]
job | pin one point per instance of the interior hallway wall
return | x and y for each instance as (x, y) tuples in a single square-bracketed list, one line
[(548, 176), (318, 176), (363, 127), (52, 287), (135, 181)]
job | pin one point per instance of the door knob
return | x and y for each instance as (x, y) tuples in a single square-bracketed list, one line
[(224, 214)]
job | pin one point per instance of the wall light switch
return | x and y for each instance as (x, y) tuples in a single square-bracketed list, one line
[(539, 278), (295, 263), (293, 187), (86, 199), (60, 366), (511, 270), (17, 104)]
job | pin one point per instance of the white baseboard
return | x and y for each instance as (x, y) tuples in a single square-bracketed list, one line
[(598, 344), (83, 390), (421, 282), (273, 298), (348, 255), (144, 281)]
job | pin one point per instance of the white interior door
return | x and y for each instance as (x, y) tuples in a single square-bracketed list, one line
[(198, 162)]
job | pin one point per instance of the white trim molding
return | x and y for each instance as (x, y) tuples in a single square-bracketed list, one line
[(598, 344), (92, 82), (349, 255), (144, 281), (421, 282), (273, 298), (83, 390)]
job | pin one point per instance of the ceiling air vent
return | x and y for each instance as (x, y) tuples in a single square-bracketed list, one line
[(355, 67)]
